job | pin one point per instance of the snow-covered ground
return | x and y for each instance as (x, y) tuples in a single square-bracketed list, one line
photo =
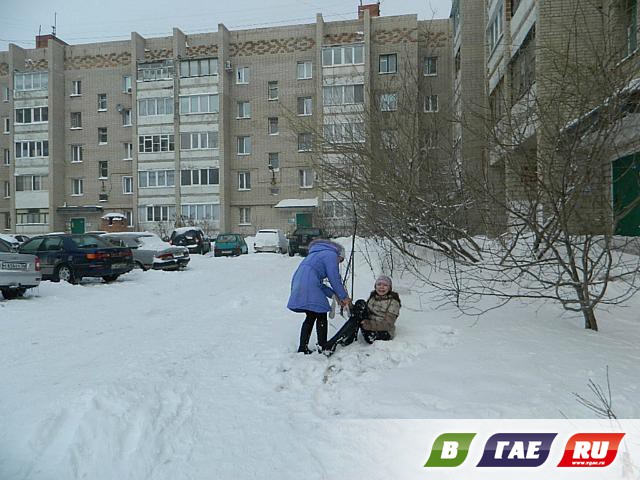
[(192, 375)]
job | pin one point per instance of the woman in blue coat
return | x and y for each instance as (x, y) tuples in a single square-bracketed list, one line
[(309, 294)]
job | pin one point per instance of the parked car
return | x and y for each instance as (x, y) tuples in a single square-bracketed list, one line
[(300, 239), (18, 272), (149, 251), (229, 244), (70, 257), (271, 240), (191, 237), (9, 241)]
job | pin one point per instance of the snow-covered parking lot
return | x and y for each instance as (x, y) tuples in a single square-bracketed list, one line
[(192, 375)]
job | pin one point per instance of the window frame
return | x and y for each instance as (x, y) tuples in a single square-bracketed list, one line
[(385, 58), (76, 152), (270, 88), (103, 136), (430, 68), (244, 180), (271, 122), (245, 77), (307, 70), (77, 187), (102, 102), (243, 139)]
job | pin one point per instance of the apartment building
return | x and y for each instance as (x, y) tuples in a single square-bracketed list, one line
[(199, 129)]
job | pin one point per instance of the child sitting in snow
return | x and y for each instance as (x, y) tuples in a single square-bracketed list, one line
[(384, 307)]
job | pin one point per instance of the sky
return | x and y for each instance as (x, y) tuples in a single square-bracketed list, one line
[(86, 21)]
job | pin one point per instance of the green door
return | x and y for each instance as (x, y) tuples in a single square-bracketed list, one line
[(303, 219), (626, 192), (77, 225)]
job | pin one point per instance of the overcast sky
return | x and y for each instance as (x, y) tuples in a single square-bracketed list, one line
[(85, 21)]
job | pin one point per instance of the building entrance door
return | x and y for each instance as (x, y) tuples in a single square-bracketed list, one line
[(77, 225)]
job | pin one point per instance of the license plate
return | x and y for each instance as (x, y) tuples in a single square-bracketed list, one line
[(14, 266), (119, 266)]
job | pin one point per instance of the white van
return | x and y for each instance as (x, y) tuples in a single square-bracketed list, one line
[(271, 240)]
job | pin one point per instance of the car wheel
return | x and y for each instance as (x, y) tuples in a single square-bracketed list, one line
[(65, 273), (9, 294), (110, 278), (141, 266), (291, 253)]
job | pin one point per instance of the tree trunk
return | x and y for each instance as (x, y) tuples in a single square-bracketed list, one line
[(590, 322)]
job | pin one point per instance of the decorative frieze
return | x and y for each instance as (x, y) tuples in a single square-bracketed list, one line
[(343, 38), (202, 51), (35, 65), (109, 60), (157, 55), (270, 47), (396, 36), (434, 39)]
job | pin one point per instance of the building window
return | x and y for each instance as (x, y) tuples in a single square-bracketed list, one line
[(126, 84), (76, 153), (32, 216), (198, 141), (344, 132), (5, 94), (160, 213), (7, 189), (203, 176), (103, 169), (32, 149), (431, 103), (388, 63), (199, 104), (274, 161), (201, 211), (273, 126), (245, 215), (155, 106), (76, 87), (155, 143), (128, 151), (305, 70), (343, 55), (102, 136), (389, 102), (523, 67), (242, 75), (244, 180), (149, 72), (343, 95), (102, 102), (305, 105), (272, 90), (126, 117), (335, 210), (156, 178), (305, 142), (494, 33), (6, 125), (76, 119), (77, 187), (31, 81), (244, 145), (305, 177), (431, 66), (31, 183), (244, 109), (631, 25), (6, 157), (127, 185), (199, 68), (32, 115)]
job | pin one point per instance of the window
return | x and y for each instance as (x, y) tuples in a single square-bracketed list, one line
[(199, 68), (305, 70), (160, 213), (343, 55), (389, 139), (6, 125), (199, 104), (198, 141), (343, 95), (631, 26), (31, 81), (149, 72), (76, 87), (76, 153), (126, 117), (244, 145), (129, 216), (344, 132), (431, 66), (272, 91), (155, 143), (7, 189), (76, 119), (102, 135), (102, 102), (274, 161), (244, 180), (523, 67), (389, 102), (32, 216), (201, 211), (32, 115), (203, 176), (31, 149), (29, 183), (6, 157), (388, 63), (128, 151), (103, 169), (305, 177), (336, 210), (127, 185), (242, 75), (305, 142), (5, 94), (244, 109), (273, 126), (156, 178), (431, 103), (77, 186), (155, 106), (126, 84), (305, 105), (494, 33), (245, 215)]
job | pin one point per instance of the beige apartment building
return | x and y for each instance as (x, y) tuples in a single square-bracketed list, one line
[(200, 129)]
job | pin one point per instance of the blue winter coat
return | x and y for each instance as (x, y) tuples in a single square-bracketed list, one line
[(307, 290)]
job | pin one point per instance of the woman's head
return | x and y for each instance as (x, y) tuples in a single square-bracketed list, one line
[(383, 285)]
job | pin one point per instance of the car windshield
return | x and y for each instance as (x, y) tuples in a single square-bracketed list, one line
[(88, 241), (226, 238)]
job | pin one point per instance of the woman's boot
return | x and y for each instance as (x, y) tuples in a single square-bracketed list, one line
[(305, 335)]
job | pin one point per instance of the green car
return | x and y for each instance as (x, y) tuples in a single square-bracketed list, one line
[(230, 244)]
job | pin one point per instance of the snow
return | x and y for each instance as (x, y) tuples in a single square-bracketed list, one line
[(180, 230), (193, 375), (114, 215), (297, 203), (8, 238)]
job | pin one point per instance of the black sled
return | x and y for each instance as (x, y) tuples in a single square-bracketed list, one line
[(348, 333)]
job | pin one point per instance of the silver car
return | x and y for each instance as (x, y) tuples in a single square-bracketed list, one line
[(149, 251), (18, 272)]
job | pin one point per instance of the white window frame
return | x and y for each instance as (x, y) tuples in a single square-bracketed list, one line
[(7, 189), (431, 103), (310, 145), (339, 54), (127, 185), (307, 106), (32, 115), (384, 59), (102, 102), (199, 141), (244, 109), (165, 213), (244, 181), (305, 178), (77, 187), (273, 126), (430, 68), (76, 116), (244, 216), (6, 125), (126, 84), (126, 117), (29, 81), (24, 148), (187, 104), (156, 179), (103, 164), (6, 157), (389, 102), (160, 140), (76, 153), (5, 94), (101, 131), (272, 86), (76, 88), (270, 162), (128, 151), (195, 67), (243, 141), (198, 211), (155, 105), (243, 75), (336, 95), (304, 70), (199, 176)]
